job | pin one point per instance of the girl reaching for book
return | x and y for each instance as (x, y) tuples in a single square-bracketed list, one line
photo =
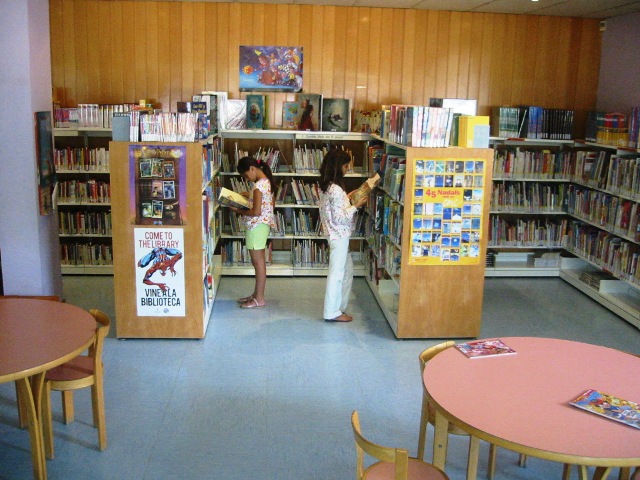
[(258, 221), (336, 214)]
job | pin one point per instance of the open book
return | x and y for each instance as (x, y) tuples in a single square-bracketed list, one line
[(618, 409), (364, 189), (485, 348), (229, 198)]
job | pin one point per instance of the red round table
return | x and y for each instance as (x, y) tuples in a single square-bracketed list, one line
[(36, 335), (521, 402)]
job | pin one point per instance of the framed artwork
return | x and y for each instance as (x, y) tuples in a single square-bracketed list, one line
[(274, 69), (44, 161)]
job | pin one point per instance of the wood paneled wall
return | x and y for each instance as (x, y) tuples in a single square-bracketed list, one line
[(122, 51)]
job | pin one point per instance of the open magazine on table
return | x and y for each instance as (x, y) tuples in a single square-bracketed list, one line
[(485, 348)]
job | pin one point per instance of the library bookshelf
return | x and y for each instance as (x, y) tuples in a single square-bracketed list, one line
[(423, 297), (173, 246), (298, 248), (81, 159)]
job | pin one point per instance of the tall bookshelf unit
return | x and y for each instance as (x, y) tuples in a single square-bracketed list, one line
[(84, 200), (299, 248), (442, 300), (528, 205), (198, 264)]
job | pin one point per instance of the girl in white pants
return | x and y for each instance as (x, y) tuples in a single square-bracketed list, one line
[(336, 214)]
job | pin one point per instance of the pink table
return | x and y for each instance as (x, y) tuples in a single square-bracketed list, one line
[(36, 335), (520, 402)]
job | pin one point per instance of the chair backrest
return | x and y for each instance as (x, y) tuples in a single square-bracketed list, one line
[(397, 456), (102, 330), (431, 352)]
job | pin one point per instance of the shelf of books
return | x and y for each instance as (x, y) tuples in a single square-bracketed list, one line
[(82, 163), (297, 246), (166, 231), (427, 238)]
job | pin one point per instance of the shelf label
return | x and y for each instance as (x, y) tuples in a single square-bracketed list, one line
[(159, 257), (447, 206)]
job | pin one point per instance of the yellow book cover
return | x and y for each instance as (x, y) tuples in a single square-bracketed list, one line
[(229, 198), (473, 131), (364, 189)]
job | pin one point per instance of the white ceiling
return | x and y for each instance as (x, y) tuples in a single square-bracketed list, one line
[(564, 8)]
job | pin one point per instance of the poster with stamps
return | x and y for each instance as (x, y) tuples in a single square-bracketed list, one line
[(447, 205)]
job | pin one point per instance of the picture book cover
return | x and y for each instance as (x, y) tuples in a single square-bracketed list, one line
[(310, 111), (229, 198), (485, 348), (290, 114), (609, 406), (255, 111), (336, 115), (236, 114)]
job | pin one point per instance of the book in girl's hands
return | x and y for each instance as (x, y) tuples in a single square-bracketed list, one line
[(485, 348), (618, 409), (229, 198), (364, 189)]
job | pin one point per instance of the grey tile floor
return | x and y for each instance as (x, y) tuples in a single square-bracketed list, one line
[(268, 393)]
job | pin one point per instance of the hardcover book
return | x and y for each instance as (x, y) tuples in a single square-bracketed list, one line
[(229, 198), (336, 115), (485, 348), (310, 111), (614, 408), (364, 189), (255, 111), (290, 114), (236, 114)]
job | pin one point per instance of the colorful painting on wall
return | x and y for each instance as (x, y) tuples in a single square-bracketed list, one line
[(275, 69)]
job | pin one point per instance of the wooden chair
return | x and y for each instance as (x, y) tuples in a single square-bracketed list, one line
[(22, 415), (80, 372), (393, 464), (428, 414)]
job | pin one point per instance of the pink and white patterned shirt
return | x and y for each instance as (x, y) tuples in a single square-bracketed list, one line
[(266, 212), (336, 212)]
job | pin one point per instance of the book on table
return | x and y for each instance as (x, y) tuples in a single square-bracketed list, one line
[(609, 406), (364, 189), (485, 348), (229, 198)]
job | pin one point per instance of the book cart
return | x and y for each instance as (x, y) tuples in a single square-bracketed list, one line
[(298, 247), (426, 264), (82, 166), (166, 274)]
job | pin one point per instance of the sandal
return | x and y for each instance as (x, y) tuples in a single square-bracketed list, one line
[(245, 299), (342, 318), (253, 303)]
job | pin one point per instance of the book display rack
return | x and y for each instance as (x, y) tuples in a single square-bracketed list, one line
[(299, 247), (166, 273), (82, 164)]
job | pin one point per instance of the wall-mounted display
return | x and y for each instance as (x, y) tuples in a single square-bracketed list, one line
[(276, 69)]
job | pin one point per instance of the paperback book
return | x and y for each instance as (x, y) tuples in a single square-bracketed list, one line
[(485, 348), (229, 198), (614, 408), (364, 189)]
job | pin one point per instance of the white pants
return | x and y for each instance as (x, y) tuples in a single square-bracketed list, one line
[(339, 279)]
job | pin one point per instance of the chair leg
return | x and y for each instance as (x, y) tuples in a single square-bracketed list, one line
[(522, 460), (22, 414), (67, 406), (99, 421), (566, 472), (424, 418), (491, 467), (47, 422), (625, 474)]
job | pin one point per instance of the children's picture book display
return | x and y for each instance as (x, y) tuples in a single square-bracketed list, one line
[(447, 205), (309, 111), (336, 115), (485, 348), (609, 406), (157, 182)]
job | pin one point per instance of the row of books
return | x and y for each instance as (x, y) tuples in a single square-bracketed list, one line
[(211, 160), (82, 159), (307, 159), (532, 122), (542, 164), (310, 254), (420, 126), (388, 255), (634, 128), (89, 115), (235, 254), (393, 172), (608, 129), (530, 197), (84, 223), (609, 252), (298, 192), (86, 254), (504, 232), (170, 127), (616, 214), (623, 176), (85, 191), (386, 216), (298, 223)]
